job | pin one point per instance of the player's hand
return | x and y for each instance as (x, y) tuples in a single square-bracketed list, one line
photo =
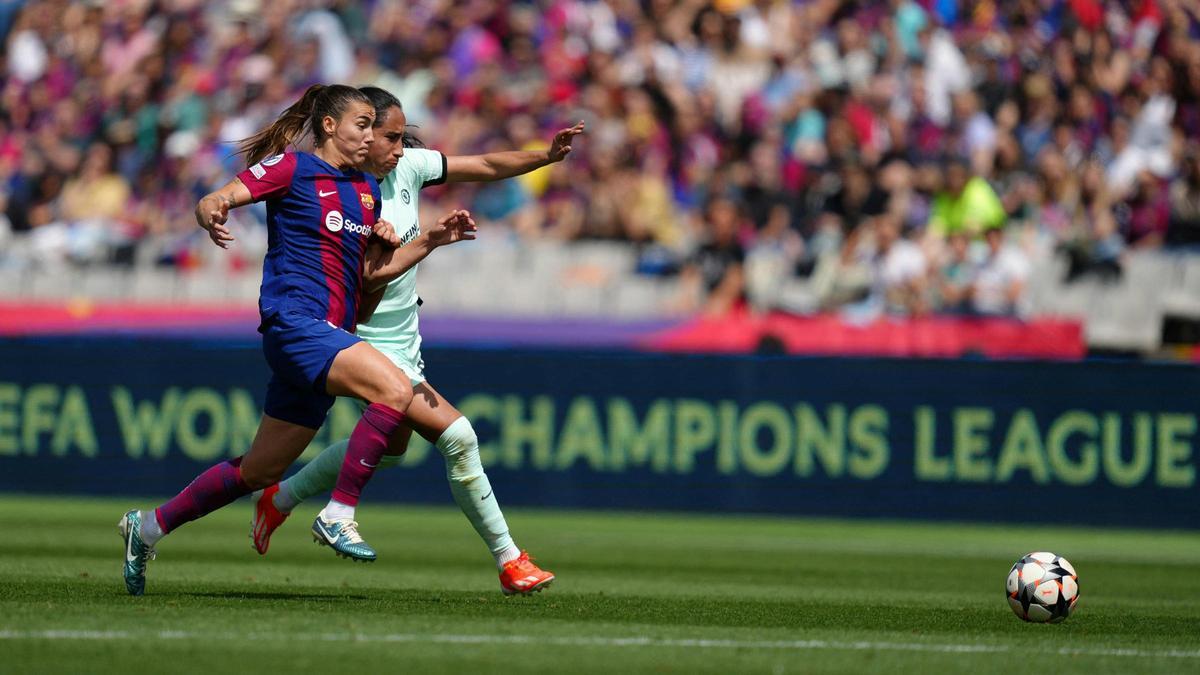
[(387, 233), (453, 227), (560, 147), (212, 213)]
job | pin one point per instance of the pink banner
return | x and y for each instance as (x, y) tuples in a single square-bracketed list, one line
[(939, 336), (83, 316)]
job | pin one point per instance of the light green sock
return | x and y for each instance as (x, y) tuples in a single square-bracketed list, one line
[(468, 483), (320, 475), (472, 490)]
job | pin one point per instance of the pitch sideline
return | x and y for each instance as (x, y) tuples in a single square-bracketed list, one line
[(797, 645)]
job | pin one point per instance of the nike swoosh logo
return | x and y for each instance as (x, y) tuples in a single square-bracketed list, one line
[(325, 533), (489, 494), (369, 466), (129, 556), (322, 193)]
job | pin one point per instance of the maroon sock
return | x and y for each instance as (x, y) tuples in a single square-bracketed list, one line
[(219, 485), (368, 442)]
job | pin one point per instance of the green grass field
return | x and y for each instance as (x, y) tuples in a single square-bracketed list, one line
[(635, 593)]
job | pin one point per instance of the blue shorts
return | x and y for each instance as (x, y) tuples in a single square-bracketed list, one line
[(300, 350)]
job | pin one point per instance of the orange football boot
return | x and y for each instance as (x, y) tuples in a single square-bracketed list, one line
[(522, 577), (266, 518)]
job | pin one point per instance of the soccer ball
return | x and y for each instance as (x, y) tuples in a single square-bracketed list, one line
[(1042, 588)]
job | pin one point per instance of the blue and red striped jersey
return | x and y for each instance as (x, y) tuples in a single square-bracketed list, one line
[(319, 219)]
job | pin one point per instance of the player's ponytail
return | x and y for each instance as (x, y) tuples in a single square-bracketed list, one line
[(318, 102), (411, 141), (283, 131)]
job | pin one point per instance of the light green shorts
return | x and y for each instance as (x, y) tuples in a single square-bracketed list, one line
[(413, 367)]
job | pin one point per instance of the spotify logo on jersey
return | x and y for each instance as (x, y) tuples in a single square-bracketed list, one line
[(335, 223)]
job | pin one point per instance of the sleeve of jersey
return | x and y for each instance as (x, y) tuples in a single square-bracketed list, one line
[(431, 168), (377, 192), (270, 178)]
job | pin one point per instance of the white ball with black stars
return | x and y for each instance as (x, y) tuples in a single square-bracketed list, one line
[(1042, 588)]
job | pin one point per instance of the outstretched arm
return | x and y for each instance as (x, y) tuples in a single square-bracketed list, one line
[(384, 263), (213, 210), (500, 165)]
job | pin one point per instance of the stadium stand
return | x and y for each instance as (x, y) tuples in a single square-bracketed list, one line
[(824, 154)]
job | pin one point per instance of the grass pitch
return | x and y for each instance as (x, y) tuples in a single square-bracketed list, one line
[(635, 593)]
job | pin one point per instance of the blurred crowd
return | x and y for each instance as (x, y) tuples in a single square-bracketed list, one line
[(914, 155)]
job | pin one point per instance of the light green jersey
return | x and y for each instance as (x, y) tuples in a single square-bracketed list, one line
[(393, 328)]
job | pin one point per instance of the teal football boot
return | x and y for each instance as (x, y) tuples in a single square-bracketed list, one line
[(343, 537), (137, 552)]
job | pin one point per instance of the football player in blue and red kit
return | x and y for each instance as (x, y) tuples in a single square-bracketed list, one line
[(322, 213), (394, 329)]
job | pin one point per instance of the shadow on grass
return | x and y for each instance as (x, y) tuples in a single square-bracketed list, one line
[(273, 596), (1176, 625)]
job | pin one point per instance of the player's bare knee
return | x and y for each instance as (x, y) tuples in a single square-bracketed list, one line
[(395, 392), (399, 396)]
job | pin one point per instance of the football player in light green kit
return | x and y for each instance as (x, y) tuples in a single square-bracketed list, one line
[(393, 329)]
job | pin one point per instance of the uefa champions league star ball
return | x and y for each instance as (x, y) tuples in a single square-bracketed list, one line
[(1042, 588)]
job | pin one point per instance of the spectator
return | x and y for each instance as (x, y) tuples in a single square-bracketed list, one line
[(955, 276), (1184, 226), (97, 192), (857, 197), (713, 280), (1000, 279), (902, 276), (978, 131), (1093, 243), (6, 230), (1147, 213), (966, 204), (811, 119), (881, 272)]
